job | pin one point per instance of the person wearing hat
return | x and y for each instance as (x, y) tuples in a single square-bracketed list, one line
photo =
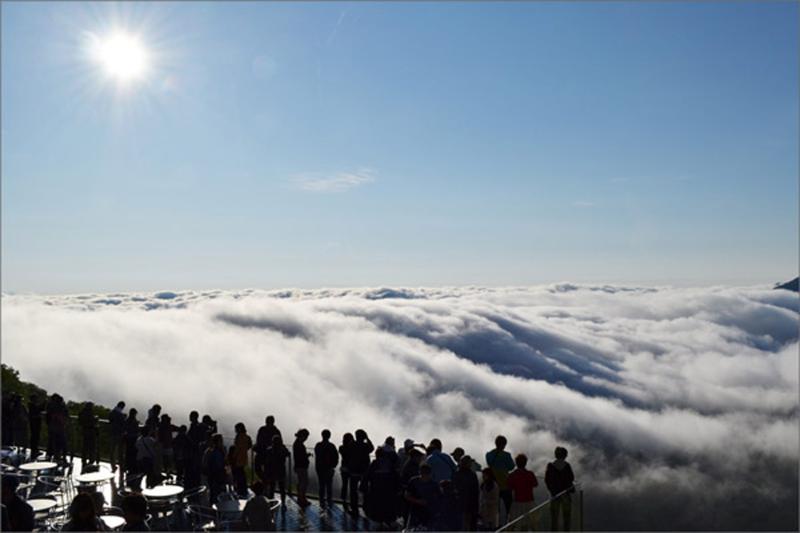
[(301, 463), (403, 453)]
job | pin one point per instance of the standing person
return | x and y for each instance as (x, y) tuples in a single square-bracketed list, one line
[(402, 454), (241, 446), (559, 479), (56, 417), (409, 471), (132, 432), (380, 486), (210, 426), (196, 436), (359, 462), (521, 482), (448, 516), (116, 421), (19, 421), (88, 424), (266, 433), (181, 451), (146, 456), (501, 463), (345, 452), (153, 415), (275, 467), (423, 497), (7, 426), (489, 500), (35, 408), (214, 467), (390, 453), (467, 490), (325, 460), (301, 464), (166, 443), (442, 465)]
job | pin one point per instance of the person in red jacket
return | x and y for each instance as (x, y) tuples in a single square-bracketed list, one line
[(521, 482)]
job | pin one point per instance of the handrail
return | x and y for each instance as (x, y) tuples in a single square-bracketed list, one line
[(538, 507)]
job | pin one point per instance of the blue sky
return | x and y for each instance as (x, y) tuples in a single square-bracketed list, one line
[(330, 144)]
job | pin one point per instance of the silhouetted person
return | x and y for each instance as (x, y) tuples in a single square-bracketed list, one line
[(146, 456), (214, 467), (559, 478), (56, 418), (403, 453), (423, 495), (325, 460), (116, 422), (359, 462), (88, 424), (489, 500), (18, 512), (390, 454), (132, 432), (19, 421), (257, 512), (409, 471), (35, 408), (134, 510), (83, 515), (345, 452), (210, 426), (301, 464), (442, 465), (197, 446), (448, 515), (380, 486), (153, 416), (166, 445), (181, 450), (265, 434), (275, 467), (501, 463), (466, 486), (241, 446), (7, 427), (521, 482)]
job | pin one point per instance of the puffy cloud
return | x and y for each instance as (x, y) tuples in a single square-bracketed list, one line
[(671, 401)]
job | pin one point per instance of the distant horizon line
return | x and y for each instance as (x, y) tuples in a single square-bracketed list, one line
[(629, 284)]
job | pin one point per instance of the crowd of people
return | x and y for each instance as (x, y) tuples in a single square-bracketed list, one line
[(420, 484)]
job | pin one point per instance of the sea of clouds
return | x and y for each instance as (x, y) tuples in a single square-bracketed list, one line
[(679, 406)]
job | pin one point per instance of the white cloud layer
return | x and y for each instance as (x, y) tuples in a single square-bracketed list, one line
[(672, 402)]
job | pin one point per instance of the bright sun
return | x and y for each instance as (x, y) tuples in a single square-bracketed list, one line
[(122, 56)]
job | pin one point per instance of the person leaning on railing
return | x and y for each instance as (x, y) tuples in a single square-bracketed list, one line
[(559, 478)]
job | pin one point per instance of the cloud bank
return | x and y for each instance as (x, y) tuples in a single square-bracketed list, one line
[(679, 406)]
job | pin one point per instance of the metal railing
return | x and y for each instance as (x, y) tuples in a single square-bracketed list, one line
[(539, 520)]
